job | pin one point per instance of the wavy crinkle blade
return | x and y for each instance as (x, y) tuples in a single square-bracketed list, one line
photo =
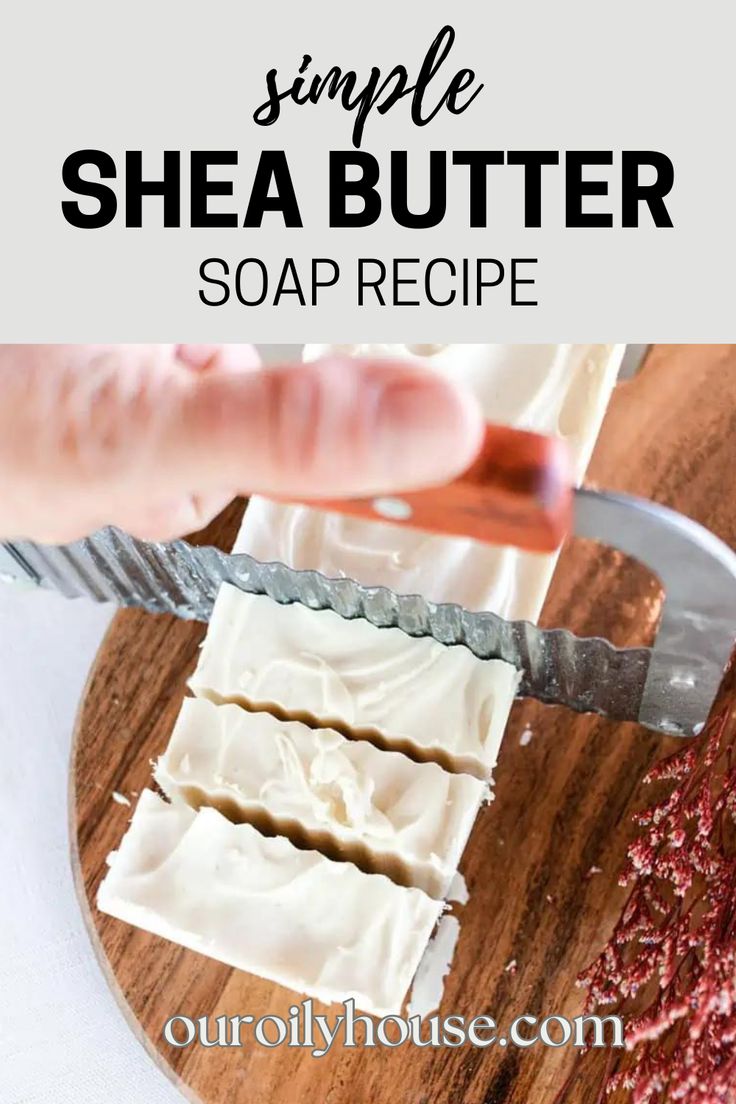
[(669, 687)]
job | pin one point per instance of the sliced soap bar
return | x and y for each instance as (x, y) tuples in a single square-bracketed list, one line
[(260, 904), (560, 389), (344, 797), (400, 692)]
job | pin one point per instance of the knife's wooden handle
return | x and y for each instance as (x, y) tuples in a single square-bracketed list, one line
[(517, 492)]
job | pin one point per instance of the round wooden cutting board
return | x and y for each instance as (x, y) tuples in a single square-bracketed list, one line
[(542, 864)]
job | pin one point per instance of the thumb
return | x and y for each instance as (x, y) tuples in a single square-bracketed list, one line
[(337, 426), (155, 438)]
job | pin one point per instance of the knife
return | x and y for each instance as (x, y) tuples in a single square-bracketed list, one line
[(517, 492)]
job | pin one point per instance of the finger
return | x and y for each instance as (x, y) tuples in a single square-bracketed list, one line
[(73, 421), (229, 358), (164, 521), (339, 426), (89, 430)]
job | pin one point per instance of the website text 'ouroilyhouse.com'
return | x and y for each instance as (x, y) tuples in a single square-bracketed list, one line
[(305, 1028)]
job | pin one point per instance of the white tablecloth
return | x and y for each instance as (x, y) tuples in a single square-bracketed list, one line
[(63, 1039)]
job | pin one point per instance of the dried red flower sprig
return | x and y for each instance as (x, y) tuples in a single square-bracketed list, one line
[(670, 966)]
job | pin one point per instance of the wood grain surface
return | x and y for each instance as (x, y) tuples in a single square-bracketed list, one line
[(562, 810)]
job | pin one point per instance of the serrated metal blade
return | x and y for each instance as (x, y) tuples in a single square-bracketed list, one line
[(669, 687)]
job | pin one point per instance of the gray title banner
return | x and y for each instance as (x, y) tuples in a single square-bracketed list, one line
[(552, 171)]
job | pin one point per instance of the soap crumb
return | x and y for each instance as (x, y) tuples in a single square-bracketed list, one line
[(526, 736), (510, 967), (593, 871), (458, 891), (121, 799), (429, 980)]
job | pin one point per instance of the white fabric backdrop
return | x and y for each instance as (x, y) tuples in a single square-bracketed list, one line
[(63, 1039)]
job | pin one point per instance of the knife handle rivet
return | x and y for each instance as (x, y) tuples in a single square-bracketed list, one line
[(394, 509)]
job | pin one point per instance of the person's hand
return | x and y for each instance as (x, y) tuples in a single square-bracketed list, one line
[(156, 439)]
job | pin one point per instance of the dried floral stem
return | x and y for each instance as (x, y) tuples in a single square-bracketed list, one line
[(669, 968)]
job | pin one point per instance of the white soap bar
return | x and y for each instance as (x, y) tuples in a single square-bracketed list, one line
[(560, 389), (401, 692), (260, 904), (344, 797)]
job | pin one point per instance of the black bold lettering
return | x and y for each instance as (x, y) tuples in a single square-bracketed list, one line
[(400, 191), (478, 161), (633, 193), (364, 187), (202, 187), (72, 178), (576, 188), (532, 160), (272, 166), (136, 187)]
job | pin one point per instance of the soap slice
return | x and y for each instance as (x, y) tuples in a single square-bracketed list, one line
[(343, 797), (260, 904), (559, 389), (403, 693)]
